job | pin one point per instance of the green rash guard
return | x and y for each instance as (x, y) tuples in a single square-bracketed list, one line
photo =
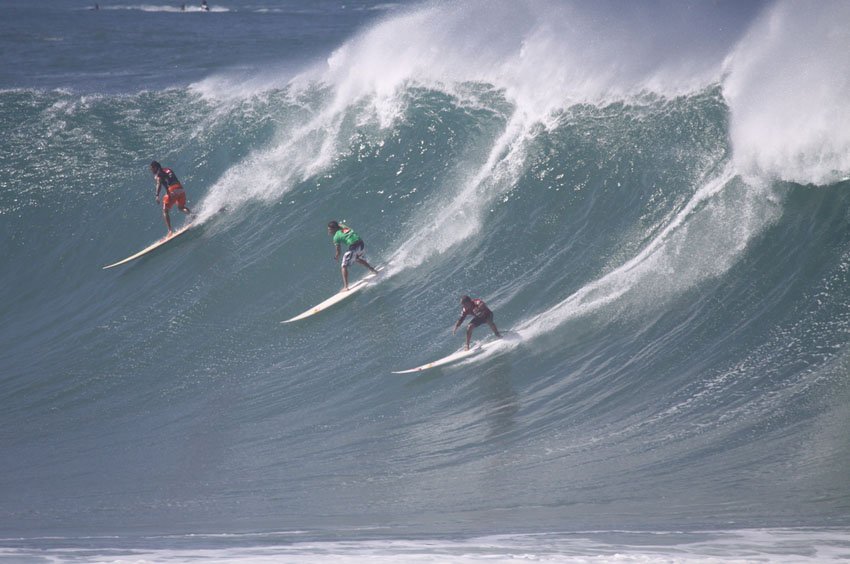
[(345, 236)]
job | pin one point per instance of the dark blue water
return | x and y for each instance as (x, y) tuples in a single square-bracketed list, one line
[(653, 196)]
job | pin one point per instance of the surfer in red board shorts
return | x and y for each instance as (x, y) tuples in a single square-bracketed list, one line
[(480, 314), (174, 194)]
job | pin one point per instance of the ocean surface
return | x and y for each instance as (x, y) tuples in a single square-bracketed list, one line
[(655, 196)]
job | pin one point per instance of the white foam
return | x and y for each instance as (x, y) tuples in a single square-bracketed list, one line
[(190, 7), (789, 94), (463, 214), (703, 240), (545, 55), (741, 546)]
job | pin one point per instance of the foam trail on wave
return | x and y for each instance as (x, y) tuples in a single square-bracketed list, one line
[(466, 208), (702, 241), (789, 95), (164, 8), (267, 174)]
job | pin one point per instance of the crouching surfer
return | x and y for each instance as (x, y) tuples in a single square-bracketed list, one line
[(480, 314)]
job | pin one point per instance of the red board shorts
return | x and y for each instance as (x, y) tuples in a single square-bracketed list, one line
[(174, 196)]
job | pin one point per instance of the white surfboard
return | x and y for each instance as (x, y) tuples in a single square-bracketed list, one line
[(461, 354), (150, 248), (336, 298)]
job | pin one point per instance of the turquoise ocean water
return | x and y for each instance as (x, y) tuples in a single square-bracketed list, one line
[(654, 195)]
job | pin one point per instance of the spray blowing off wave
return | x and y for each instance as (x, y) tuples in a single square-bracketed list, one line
[(545, 55), (267, 174), (789, 95), (542, 58)]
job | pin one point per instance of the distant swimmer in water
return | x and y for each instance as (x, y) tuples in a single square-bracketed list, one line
[(174, 194), (204, 6), (480, 314), (342, 234)]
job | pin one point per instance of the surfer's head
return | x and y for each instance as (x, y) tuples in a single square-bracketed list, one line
[(465, 300), (333, 226), (155, 167)]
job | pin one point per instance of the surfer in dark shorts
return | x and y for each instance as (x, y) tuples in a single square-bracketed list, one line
[(343, 234), (480, 313), (174, 194)]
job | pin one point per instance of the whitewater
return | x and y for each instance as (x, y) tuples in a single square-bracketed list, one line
[(653, 195)]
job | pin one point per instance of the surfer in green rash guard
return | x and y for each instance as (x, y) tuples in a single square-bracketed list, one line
[(480, 314), (342, 234)]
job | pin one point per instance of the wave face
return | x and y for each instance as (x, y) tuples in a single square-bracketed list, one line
[(670, 244)]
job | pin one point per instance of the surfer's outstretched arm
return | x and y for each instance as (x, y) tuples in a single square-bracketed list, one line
[(457, 324)]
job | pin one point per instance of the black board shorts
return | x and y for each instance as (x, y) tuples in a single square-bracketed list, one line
[(476, 321)]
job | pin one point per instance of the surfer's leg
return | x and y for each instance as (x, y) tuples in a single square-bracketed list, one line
[(344, 277), (359, 251), (167, 202), (346, 260), (181, 202), (367, 265), (469, 329), (167, 220), (492, 325)]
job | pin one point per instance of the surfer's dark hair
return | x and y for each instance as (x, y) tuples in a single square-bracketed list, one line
[(155, 165), (465, 299), (333, 224)]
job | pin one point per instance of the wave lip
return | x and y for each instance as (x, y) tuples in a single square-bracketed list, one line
[(788, 94)]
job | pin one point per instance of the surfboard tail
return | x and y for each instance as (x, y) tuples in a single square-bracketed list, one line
[(336, 298), (150, 248)]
